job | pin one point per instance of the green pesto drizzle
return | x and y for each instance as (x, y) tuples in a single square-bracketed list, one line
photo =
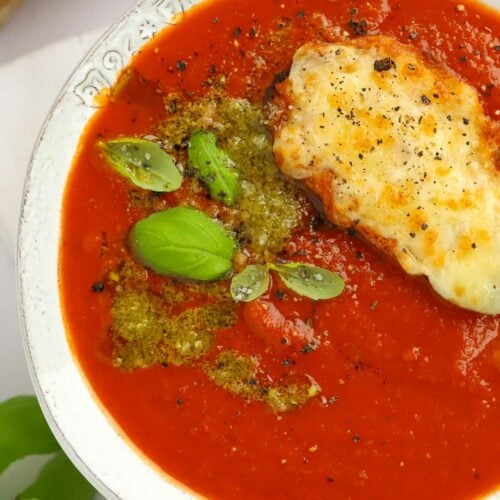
[(177, 322), (239, 375), (267, 209), (146, 328)]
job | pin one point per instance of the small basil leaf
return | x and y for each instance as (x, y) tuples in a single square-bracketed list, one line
[(59, 479), (310, 281), (250, 284), (214, 167), (144, 163), (183, 242), (23, 430)]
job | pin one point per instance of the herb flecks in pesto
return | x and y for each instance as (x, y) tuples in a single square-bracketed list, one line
[(137, 329), (146, 329), (239, 374), (235, 373), (268, 208)]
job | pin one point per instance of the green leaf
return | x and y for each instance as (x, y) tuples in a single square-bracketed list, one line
[(214, 167), (144, 163), (183, 242), (310, 281), (23, 430), (250, 284), (59, 479)]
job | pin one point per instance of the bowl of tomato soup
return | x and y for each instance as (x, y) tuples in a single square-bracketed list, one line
[(202, 319)]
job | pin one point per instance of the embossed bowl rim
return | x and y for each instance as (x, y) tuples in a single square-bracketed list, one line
[(82, 426)]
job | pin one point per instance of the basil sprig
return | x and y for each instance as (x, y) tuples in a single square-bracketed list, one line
[(144, 163), (214, 167), (59, 479), (183, 242), (304, 279), (250, 284), (23, 432), (310, 281)]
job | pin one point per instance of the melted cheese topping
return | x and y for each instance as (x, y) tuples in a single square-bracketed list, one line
[(401, 149)]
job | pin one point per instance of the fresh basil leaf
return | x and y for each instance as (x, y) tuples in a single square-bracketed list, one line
[(250, 284), (214, 167), (144, 163), (183, 242), (23, 430), (59, 479), (310, 281)]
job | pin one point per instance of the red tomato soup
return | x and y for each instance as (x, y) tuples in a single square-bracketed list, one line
[(406, 385)]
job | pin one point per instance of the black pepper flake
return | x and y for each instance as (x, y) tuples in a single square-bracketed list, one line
[(463, 59), (359, 28), (358, 255), (356, 439), (412, 67), (424, 226), (281, 76), (216, 20), (338, 52), (474, 246), (360, 156), (179, 401), (279, 294), (173, 106), (301, 14), (412, 235), (384, 64), (98, 287), (308, 348), (237, 31), (425, 100), (181, 65), (315, 222), (466, 121)]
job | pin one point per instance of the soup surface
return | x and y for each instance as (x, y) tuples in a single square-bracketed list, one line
[(384, 391)]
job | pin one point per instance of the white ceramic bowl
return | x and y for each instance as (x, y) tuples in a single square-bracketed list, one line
[(81, 425)]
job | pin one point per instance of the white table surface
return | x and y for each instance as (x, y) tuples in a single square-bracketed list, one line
[(39, 47)]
